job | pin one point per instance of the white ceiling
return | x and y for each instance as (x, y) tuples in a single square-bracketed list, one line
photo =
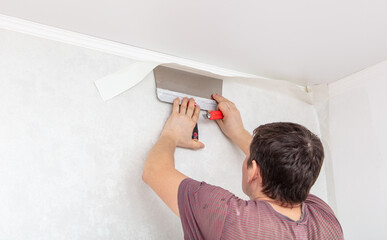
[(303, 41)]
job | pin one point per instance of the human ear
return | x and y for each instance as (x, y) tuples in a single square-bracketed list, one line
[(253, 171)]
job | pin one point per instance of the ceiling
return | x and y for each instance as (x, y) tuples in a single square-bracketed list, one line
[(306, 42)]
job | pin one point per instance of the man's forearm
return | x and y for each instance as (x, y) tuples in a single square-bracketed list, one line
[(159, 169), (161, 156), (160, 173), (243, 140)]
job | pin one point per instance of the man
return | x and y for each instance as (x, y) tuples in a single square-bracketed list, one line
[(283, 160)]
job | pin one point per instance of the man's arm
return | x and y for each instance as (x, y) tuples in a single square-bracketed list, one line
[(232, 125), (159, 170)]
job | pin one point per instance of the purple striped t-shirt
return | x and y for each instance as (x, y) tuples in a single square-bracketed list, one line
[(210, 212)]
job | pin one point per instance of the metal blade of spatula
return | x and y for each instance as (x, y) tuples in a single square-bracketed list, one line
[(172, 82)]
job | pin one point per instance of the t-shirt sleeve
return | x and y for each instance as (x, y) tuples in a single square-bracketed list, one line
[(202, 209), (327, 219), (318, 202)]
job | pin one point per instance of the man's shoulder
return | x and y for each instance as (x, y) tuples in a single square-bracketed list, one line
[(203, 191), (203, 208), (322, 216), (313, 201)]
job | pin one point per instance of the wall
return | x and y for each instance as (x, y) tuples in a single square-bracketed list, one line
[(358, 117), (301, 41), (71, 164)]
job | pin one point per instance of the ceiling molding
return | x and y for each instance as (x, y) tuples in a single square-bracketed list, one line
[(111, 47)]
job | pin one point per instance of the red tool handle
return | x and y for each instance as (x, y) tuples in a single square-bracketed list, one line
[(215, 115)]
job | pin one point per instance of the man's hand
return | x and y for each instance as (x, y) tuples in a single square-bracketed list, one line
[(231, 124), (181, 123)]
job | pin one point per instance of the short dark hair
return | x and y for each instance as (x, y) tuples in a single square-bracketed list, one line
[(290, 159)]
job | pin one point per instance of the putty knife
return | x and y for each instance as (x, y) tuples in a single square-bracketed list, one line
[(177, 81)]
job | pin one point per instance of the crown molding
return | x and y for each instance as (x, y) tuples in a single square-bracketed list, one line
[(107, 46)]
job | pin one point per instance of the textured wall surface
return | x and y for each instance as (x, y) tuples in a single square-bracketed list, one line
[(71, 164)]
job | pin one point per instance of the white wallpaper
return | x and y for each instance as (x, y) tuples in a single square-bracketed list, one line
[(71, 164)]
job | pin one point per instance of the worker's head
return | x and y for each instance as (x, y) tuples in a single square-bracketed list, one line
[(284, 162)]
